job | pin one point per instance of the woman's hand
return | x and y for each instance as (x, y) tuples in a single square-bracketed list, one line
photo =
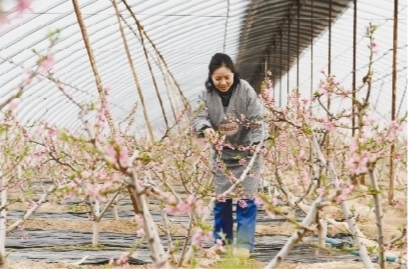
[(209, 132)]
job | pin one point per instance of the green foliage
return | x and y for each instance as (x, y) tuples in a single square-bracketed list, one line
[(372, 249), (323, 179), (145, 157), (307, 129)]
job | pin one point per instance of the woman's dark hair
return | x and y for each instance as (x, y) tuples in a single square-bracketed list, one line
[(218, 60)]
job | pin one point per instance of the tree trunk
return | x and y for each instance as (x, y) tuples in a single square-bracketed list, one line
[(115, 212), (95, 234), (158, 255)]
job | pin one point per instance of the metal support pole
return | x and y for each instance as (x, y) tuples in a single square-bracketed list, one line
[(329, 71), (393, 98), (329, 49), (311, 46), (298, 43), (91, 57), (280, 71), (353, 119), (311, 70), (266, 65), (273, 71), (288, 62)]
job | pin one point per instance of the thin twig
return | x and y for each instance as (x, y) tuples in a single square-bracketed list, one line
[(183, 252), (28, 214)]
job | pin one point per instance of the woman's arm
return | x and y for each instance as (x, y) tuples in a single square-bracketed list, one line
[(201, 120)]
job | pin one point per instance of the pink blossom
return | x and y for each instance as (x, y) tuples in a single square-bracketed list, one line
[(171, 210), (258, 201), (47, 62), (190, 199), (94, 190), (108, 89), (200, 236), (124, 159), (196, 240), (140, 232), (320, 191), (172, 200), (358, 162), (242, 161), (30, 205), (374, 47), (139, 219), (305, 177), (85, 174), (200, 208), (123, 259), (111, 153), (14, 103), (183, 207), (346, 189), (23, 5), (24, 238), (329, 126), (344, 93)]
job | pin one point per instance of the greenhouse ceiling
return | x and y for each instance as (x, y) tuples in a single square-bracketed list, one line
[(170, 44)]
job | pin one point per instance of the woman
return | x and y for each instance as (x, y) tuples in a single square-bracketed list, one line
[(232, 108)]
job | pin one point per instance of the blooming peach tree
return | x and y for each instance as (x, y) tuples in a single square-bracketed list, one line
[(311, 161), (323, 158)]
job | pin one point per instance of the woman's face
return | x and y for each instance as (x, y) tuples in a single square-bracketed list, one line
[(223, 78)]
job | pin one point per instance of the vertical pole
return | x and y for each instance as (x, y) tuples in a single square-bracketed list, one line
[(311, 71), (311, 47), (298, 44), (288, 62), (273, 71), (329, 49), (91, 57), (393, 98), (353, 94), (266, 60), (353, 119), (329, 71), (266, 65), (280, 71)]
